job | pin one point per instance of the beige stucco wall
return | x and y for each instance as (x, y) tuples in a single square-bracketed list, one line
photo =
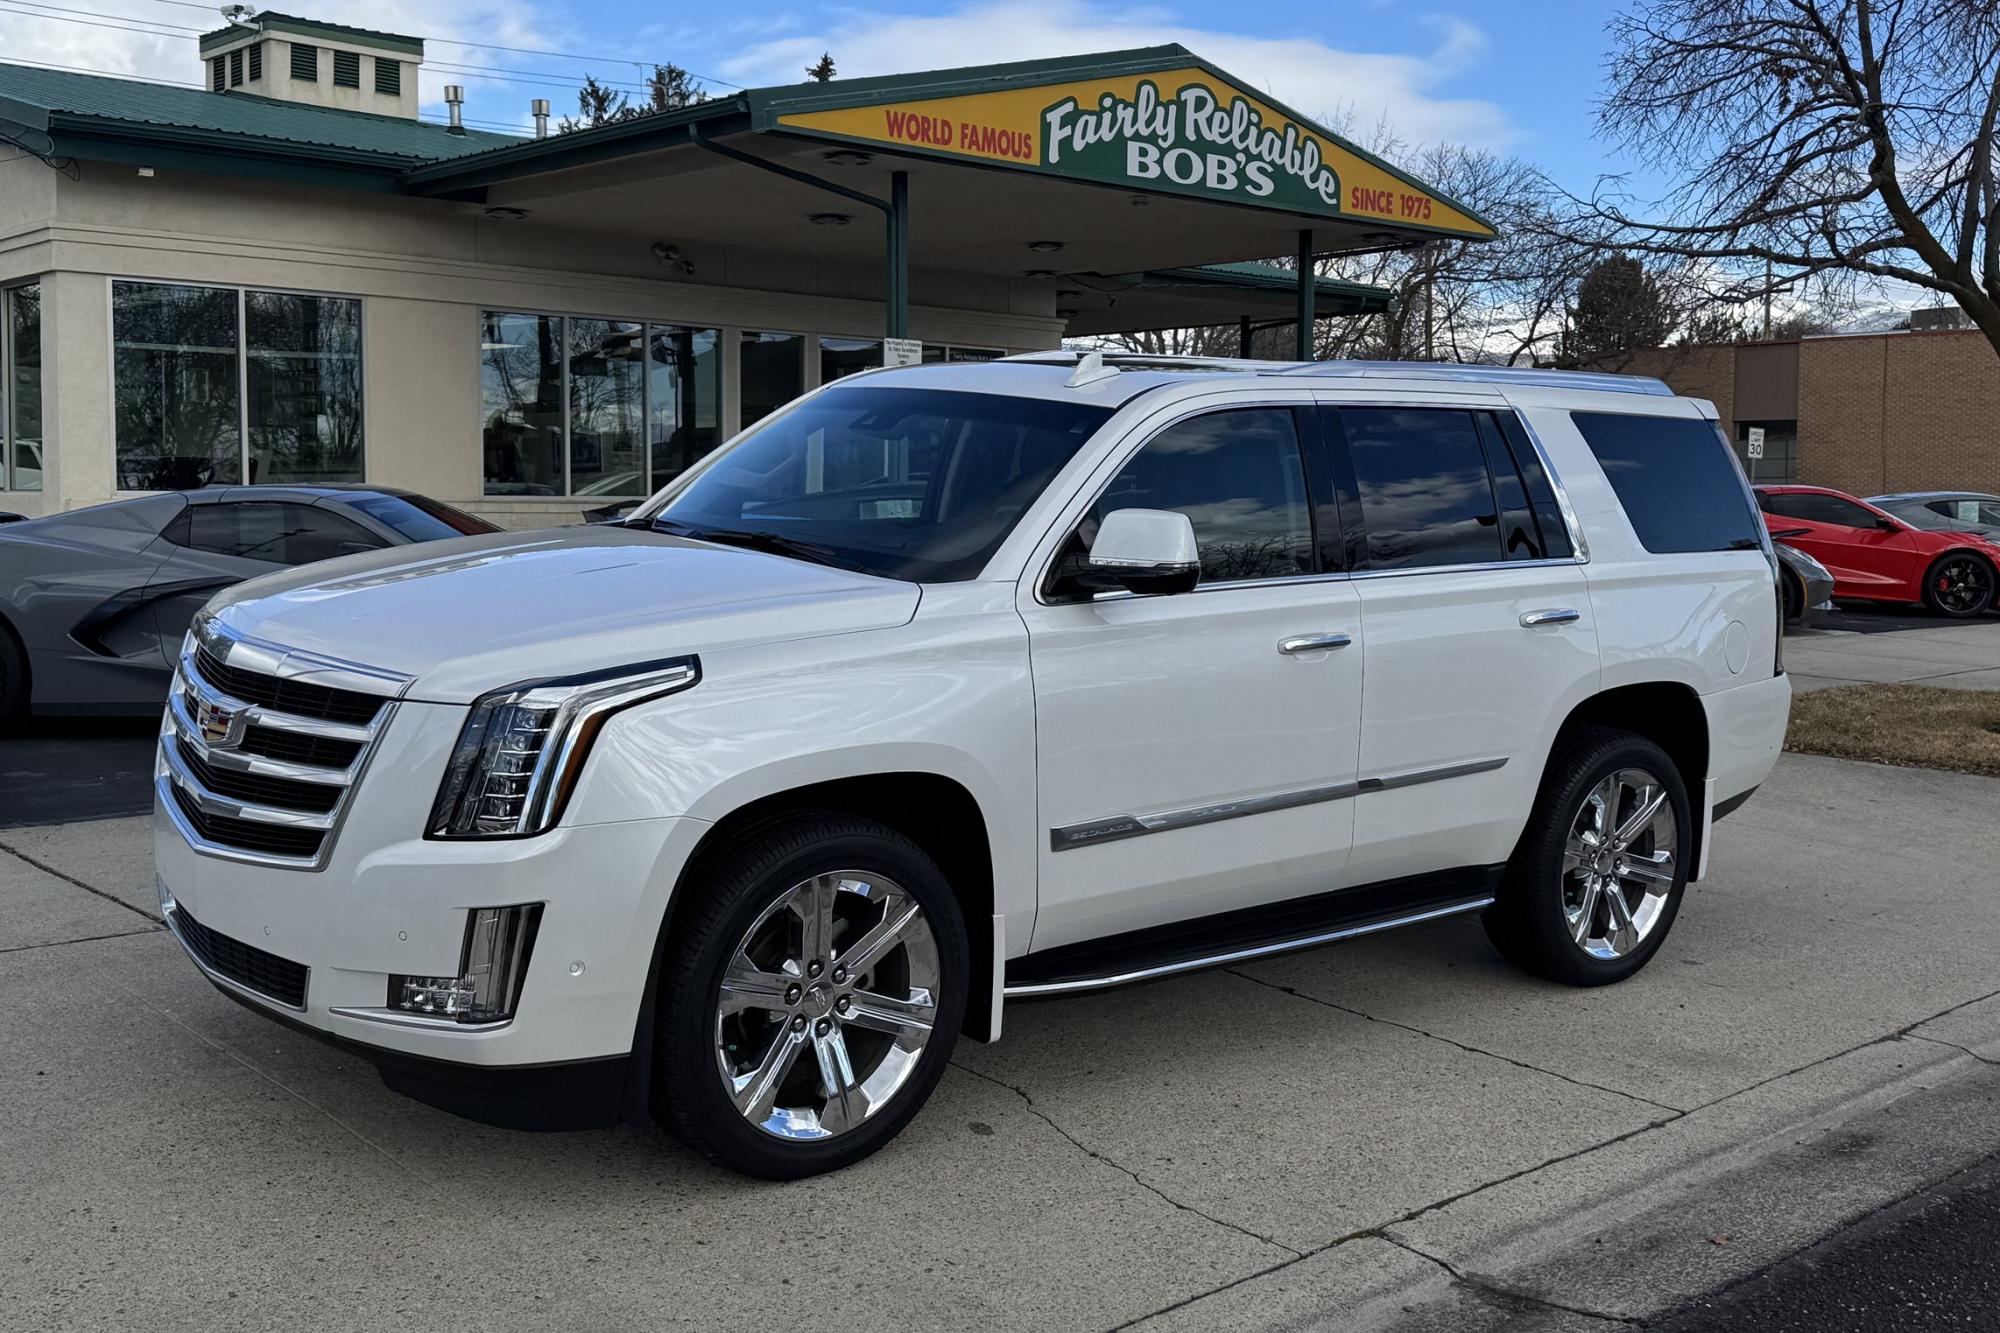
[(423, 271)]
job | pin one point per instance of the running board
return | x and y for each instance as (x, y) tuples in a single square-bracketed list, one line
[(1251, 933)]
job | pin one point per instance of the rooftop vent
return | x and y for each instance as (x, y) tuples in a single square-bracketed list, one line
[(302, 60)]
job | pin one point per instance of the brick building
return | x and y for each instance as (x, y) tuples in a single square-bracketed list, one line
[(1866, 413)]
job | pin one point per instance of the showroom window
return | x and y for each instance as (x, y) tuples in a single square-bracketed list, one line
[(772, 373), (21, 388), (840, 357), (936, 352), (223, 384), (582, 406)]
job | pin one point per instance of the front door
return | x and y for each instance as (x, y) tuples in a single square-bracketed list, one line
[(1868, 556), (1196, 752)]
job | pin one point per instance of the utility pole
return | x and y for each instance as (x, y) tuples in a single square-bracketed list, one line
[(1767, 299)]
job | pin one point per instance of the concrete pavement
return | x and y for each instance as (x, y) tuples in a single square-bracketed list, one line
[(1399, 1132), (1962, 656)]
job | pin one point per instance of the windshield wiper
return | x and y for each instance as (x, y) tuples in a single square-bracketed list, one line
[(770, 542)]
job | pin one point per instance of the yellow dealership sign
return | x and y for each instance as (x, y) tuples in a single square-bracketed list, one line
[(1180, 131)]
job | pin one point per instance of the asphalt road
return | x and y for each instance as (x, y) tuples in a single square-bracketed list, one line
[(66, 769), (1929, 1263)]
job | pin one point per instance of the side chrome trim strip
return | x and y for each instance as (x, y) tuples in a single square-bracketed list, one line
[(1113, 828), (1242, 955)]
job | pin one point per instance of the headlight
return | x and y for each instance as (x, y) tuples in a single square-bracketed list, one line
[(521, 750)]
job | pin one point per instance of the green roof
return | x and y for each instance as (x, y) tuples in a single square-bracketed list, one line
[(61, 103), (268, 22)]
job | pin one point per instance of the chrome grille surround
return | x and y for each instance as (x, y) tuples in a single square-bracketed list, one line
[(213, 724)]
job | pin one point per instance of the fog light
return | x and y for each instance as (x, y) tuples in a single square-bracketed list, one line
[(491, 971)]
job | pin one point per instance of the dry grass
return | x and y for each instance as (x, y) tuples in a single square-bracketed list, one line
[(1913, 726)]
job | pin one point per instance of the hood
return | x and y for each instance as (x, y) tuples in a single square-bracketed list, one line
[(472, 614)]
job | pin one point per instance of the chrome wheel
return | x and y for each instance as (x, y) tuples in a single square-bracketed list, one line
[(1618, 863), (826, 1005)]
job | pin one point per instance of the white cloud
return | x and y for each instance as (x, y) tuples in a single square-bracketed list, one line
[(1404, 90)]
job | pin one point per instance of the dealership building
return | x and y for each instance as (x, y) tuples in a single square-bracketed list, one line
[(285, 275)]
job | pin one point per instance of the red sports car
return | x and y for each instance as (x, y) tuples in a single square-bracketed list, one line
[(1875, 556)]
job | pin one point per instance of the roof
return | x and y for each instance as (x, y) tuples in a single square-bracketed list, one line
[(1047, 375), (1932, 495), (89, 106), (268, 22)]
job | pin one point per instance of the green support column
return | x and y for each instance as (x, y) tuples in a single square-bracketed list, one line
[(1306, 293), (898, 294)]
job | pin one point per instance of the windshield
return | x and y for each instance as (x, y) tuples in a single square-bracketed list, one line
[(918, 484)]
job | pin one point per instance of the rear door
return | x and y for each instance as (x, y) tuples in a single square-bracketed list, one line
[(1476, 626), (1865, 558)]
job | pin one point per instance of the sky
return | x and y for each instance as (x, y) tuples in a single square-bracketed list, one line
[(1520, 79)]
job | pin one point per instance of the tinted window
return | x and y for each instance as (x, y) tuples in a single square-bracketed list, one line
[(1239, 477), (910, 483), (1820, 509), (418, 517), (1985, 513), (1676, 478), (1541, 491), (279, 533), (1425, 495)]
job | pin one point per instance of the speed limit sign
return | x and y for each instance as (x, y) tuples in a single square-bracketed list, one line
[(1755, 437)]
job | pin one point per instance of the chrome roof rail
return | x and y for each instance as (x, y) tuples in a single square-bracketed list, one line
[(1460, 372)]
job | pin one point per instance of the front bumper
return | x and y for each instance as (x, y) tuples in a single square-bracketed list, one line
[(388, 901)]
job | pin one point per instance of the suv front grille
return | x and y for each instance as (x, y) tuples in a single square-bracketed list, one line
[(287, 696), (285, 793), (257, 764), (277, 978)]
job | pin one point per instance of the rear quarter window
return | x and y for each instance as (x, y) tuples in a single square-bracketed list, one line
[(1676, 478)]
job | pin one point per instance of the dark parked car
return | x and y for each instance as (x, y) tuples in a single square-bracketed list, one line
[(1806, 583), (1945, 511), (94, 603)]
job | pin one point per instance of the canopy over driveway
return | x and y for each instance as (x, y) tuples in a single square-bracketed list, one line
[(1112, 176)]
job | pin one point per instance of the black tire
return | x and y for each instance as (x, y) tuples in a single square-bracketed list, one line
[(14, 684), (1529, 921), (1959, 584), (1795, 597), (735, 888)]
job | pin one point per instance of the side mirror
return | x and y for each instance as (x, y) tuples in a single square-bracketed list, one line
[(1144, 551), (1888, 524)]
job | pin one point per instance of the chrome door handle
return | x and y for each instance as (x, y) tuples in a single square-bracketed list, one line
[(1313, 643), (1554, 616)]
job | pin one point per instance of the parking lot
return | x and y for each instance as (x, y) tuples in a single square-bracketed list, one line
[(1395, 1132)]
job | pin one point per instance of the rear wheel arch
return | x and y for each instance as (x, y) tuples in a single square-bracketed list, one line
[(1668, 713), (937, 813)]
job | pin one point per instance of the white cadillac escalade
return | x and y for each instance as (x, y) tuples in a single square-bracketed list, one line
[(954, 685)]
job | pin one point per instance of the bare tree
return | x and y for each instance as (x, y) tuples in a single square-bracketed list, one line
[(668, 87), (1451, 299), (1817, 144)]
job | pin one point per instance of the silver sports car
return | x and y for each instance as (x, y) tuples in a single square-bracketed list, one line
[(1945, 511), (94, 603)]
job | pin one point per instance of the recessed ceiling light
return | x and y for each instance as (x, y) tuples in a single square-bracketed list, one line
[(829, 219), (1038, 273), (1045, 247), (506, 214), (1062, 313), (848, 157), (1067, 293), (1141, 201)]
